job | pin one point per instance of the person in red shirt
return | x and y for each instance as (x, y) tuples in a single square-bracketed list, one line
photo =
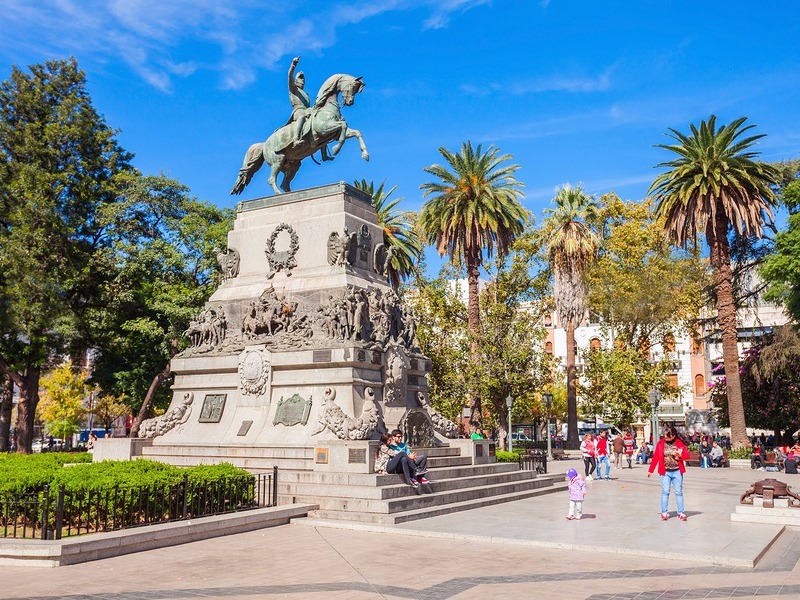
[(602, 456), (669, 456), (628, 444)]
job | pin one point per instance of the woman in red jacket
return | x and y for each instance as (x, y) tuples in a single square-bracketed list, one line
[(669, 455)]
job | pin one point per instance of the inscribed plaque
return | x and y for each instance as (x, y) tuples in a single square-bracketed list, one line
[(357, 456), (245, 427), (292, 411), (213, 405), (321, 456)]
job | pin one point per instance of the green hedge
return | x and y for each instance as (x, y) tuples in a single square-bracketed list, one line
[(506, 457), (21, 474)]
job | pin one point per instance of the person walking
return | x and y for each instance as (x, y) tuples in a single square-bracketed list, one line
[(588, 453), (577, 491), (602, 456), (618, 444), (669, 457), (629, 445)]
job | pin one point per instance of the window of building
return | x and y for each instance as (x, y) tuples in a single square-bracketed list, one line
[(594, 344), (699, 385), (697, 346), (548, 321), (672, 381), (548, 347)]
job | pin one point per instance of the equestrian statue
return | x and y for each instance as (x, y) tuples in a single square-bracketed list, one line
[(309, 129)]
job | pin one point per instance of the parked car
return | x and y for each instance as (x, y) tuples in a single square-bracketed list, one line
[(519, 437)]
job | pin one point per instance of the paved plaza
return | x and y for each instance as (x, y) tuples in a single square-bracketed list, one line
[(521, 549)]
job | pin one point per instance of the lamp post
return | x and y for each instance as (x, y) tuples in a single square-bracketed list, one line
[(655, 398), (548, 402), (509, 404)]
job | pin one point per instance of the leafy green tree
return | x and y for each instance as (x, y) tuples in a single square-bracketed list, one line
[(617, 381), (716, 186), (162, 246), (770, 377), (571, 248), (643, 290), (59, 164), (473, 209), (61, 407), (398, 232), (781, 269)]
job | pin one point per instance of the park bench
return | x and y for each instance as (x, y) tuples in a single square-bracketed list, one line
[(694, 459)]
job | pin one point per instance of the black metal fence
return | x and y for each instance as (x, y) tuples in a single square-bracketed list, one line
[(45, 515), (534, 460)]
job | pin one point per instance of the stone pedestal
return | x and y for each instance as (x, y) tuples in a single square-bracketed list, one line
[(304, 341)]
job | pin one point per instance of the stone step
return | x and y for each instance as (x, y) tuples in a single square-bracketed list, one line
[(440, 451), (398, 489), (254, 465), (425, 498), (436, 462), (321, 515)]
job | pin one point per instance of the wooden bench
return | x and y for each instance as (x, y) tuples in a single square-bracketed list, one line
[(558, 453), (694, 459)]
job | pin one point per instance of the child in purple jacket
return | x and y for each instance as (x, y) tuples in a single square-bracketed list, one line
[(577, 490)]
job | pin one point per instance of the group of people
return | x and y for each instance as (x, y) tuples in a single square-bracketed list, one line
[(711, 455), (786, 457), (597, 449), (669, 458), (394, 456)]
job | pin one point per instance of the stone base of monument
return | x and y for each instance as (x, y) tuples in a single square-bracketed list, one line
[(303, 356), (780, 514)]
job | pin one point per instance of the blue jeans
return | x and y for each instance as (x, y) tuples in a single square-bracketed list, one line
[(603, 460), (674, 479)]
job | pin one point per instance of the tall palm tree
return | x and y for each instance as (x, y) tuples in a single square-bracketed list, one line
[(473, 209), (715, 185), (571, 248), (397, 232)]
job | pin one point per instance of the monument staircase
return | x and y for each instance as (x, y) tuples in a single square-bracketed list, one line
[(456, 483)]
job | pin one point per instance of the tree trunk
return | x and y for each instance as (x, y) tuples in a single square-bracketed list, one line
[(26, 408), (473, 326), (726, 319), (572, 390), (148, 398), (6, 404)]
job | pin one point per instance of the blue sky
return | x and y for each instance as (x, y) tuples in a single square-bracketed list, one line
[(576, 91)]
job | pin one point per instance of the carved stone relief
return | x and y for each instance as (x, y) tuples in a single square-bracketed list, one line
[(440, 423), (419, 429), (213, 405), (340, 247), (208, 329), (272, 314), (229, 263), (175, 416), (343, 427), (397, 363), (253, 372), (364, 244), (282, 260)]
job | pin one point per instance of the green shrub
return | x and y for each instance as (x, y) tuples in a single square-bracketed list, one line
[(506, 457), (740, 453)]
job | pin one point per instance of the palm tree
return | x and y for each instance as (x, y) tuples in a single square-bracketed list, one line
[(571, 248), (397, 232), (715, 185), (473, 209)]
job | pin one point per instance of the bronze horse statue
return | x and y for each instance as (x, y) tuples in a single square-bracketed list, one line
[(325, 124)]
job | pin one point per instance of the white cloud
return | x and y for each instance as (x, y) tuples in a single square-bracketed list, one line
[(553, 83), (153, 37)]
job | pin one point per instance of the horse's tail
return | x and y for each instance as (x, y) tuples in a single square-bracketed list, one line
[(253, 161)]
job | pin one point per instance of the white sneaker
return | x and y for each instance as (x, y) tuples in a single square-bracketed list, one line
[(588, 478)]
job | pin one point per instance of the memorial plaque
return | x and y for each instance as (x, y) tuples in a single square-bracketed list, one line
[(321, 356), (246, 425), (414, 365), (321, 456), (362, 356), (213, 405), (413, 380), (292, 411), (357, 456), (479, 450), (376, 357), (492, 449)]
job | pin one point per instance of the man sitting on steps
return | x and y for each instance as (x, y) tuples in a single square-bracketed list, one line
[(420, 461)]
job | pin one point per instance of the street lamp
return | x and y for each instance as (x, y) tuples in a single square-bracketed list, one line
[(548, 402), (655, 398), (509, 404)]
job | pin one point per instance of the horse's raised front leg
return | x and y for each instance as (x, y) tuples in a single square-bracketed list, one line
[(355, 133)]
